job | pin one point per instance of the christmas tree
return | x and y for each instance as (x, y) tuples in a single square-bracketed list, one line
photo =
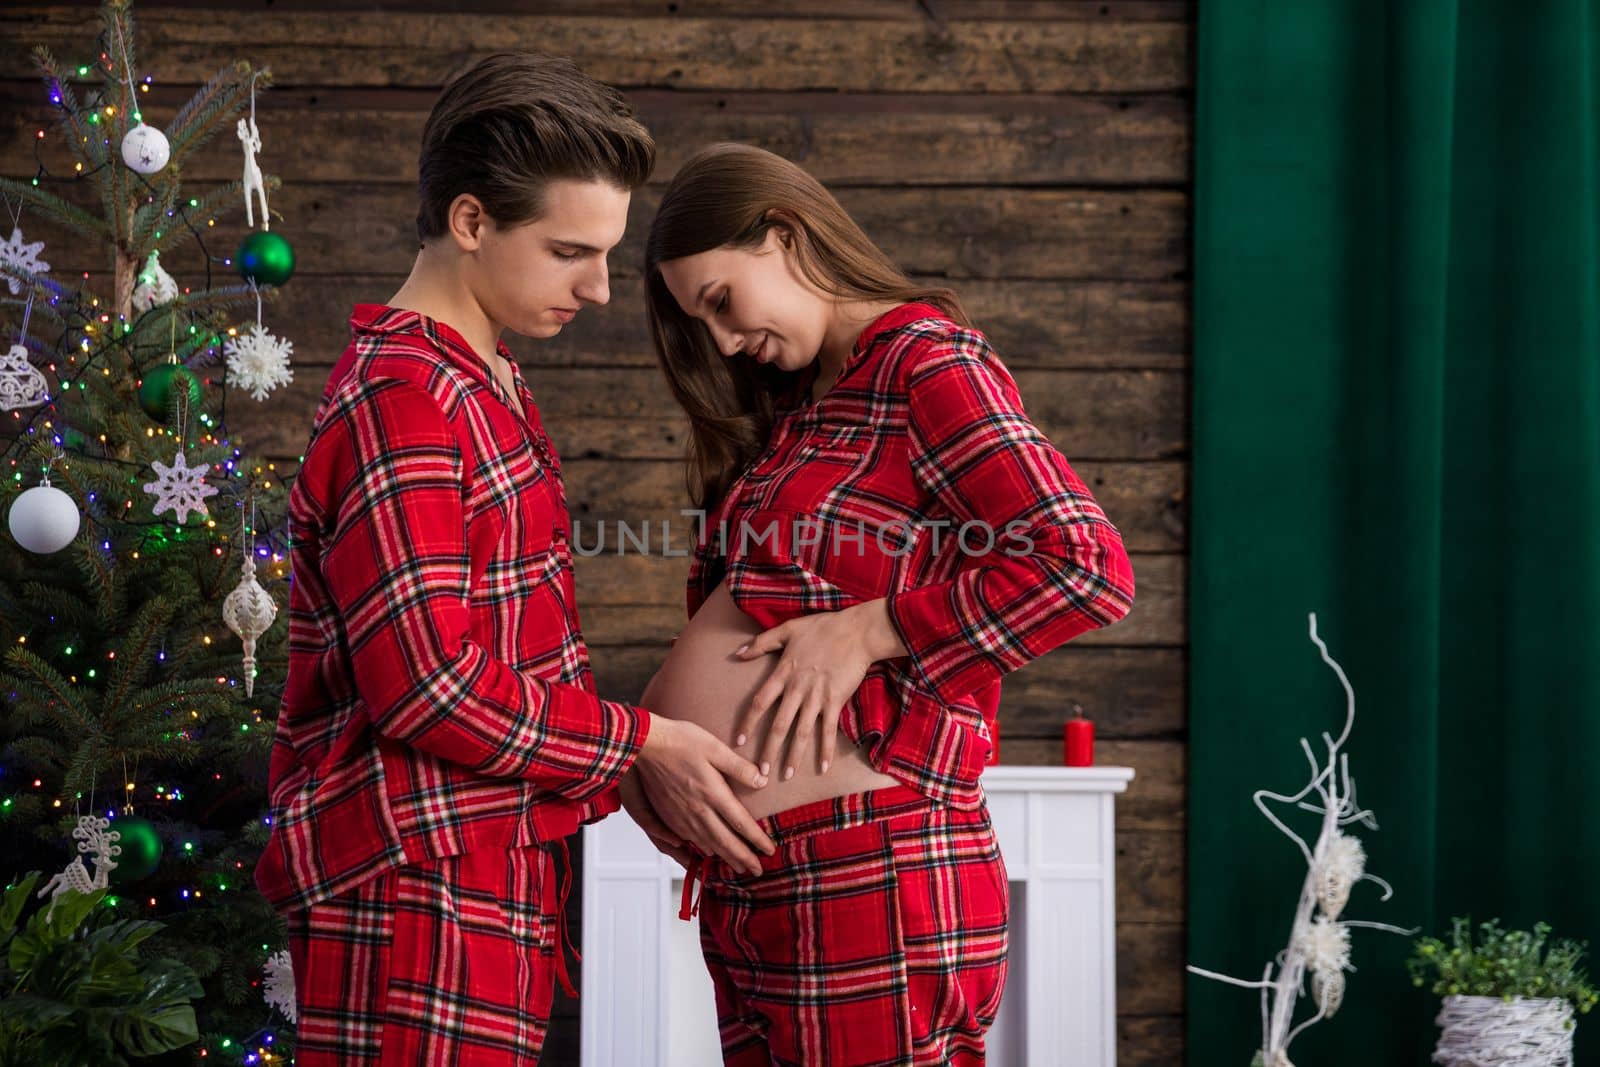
[(135, 521)]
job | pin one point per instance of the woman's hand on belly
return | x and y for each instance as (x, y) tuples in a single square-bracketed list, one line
[(825, 657)]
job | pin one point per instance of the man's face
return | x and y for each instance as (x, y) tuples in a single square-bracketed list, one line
[(534, 277)]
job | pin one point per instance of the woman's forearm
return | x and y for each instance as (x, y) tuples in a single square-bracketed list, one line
[(878, 636)]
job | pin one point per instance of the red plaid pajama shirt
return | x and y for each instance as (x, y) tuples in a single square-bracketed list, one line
[(440, 714), (877, 934)]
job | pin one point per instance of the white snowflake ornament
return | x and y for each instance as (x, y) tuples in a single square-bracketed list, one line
[(22, 385), (249, 611), (19, 255), (278, 986), (94, 837), (259, 360), (180, 488), (155, 286)]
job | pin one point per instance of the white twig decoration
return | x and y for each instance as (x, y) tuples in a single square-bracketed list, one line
[(1319, 941)]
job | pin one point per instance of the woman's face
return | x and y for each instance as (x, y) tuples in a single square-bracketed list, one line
[(755, 302)]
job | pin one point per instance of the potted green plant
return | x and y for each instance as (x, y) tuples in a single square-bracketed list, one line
[(1508, 998), (76, 990)]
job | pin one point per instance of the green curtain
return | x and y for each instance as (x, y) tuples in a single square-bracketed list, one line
[(1396, 425)]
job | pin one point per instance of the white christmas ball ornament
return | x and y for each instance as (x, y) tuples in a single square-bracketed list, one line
[(44, 519), (145, 149)]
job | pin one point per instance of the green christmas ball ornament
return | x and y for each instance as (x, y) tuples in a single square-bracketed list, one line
[(265, 258), (141, 849), (156, 391)]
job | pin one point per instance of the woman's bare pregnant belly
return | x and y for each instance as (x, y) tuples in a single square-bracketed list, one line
[(703, 682)]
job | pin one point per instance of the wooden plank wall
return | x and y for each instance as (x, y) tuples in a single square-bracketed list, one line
[(1035, 154)]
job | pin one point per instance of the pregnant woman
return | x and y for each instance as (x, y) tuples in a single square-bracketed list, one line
[(886, 535)]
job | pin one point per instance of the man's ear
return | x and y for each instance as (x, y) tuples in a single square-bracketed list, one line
[(466, 221)]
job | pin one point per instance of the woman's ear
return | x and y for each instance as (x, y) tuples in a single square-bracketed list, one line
[(782, 224)]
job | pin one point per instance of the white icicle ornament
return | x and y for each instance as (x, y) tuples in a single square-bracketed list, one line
[(249, 611)]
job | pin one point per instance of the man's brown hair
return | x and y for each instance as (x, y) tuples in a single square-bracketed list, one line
[(506, 126)]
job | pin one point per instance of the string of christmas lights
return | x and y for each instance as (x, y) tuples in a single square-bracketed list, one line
[(113, 340)]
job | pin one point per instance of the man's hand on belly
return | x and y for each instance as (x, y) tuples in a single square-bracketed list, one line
[(639, 808), (684, 772)]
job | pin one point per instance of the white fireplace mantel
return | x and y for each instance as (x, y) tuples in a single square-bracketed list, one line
[(646, 998)]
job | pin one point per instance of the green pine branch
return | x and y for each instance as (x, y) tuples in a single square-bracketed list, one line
[(218, 103), (45, 695), (104, 578), (149, 217), (69, 610), (56, 209), (91, 151), (138, 652), (214, 203)]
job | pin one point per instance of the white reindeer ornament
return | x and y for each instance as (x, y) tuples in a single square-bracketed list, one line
[(94, 836), (250, 137)]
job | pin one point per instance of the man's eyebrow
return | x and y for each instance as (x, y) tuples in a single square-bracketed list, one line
[(575, 244)]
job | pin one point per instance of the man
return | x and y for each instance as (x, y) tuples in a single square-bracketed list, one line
[(440, 735)]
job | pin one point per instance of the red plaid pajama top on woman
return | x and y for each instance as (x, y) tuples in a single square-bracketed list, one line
[(917, 460), (439, 697)]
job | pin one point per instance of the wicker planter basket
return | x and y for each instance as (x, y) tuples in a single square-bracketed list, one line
[(1491, 1032)]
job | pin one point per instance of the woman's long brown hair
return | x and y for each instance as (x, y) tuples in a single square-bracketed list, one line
[(731, 195)]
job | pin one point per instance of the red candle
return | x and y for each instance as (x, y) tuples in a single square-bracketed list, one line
[(1078, 740)]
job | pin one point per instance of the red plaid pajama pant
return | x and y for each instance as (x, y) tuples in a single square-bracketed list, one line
[(876, 935), (449, 961)]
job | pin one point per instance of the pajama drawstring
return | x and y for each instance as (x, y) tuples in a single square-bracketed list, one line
[(689, 903), (562, 938)]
